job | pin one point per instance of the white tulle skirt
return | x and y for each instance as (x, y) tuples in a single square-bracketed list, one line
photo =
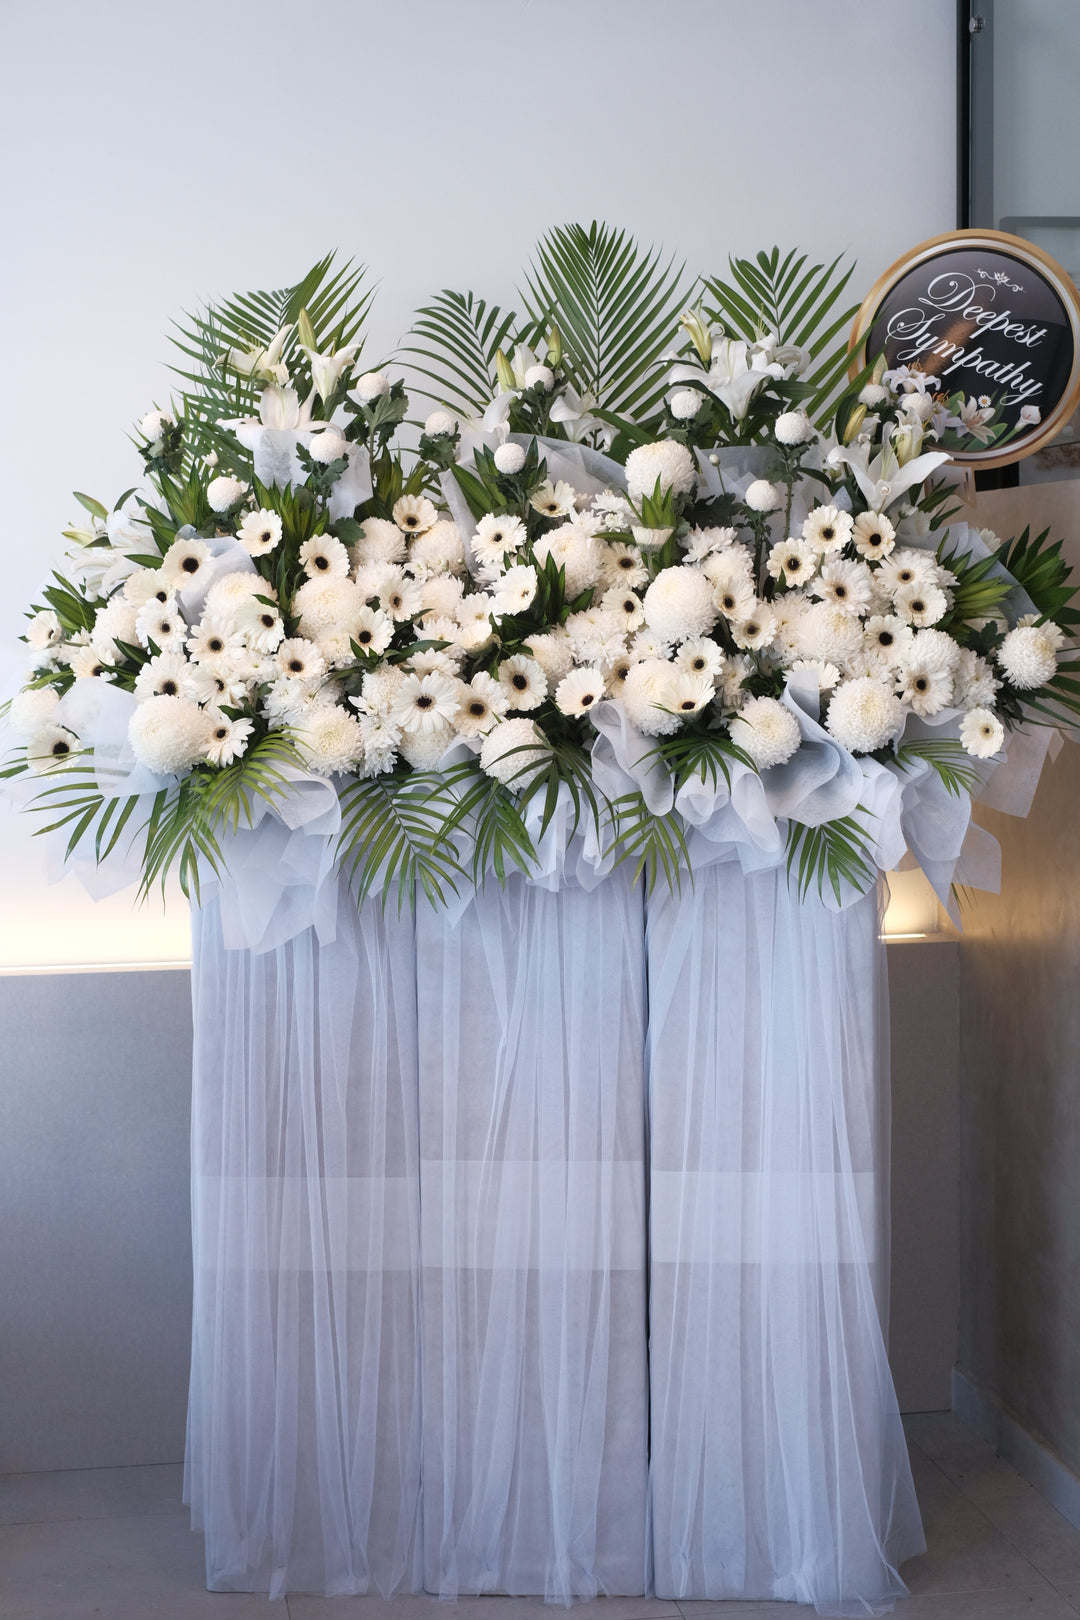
[(545, 1252)]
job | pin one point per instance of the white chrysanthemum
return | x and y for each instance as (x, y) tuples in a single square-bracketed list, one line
[(793, 560), (763, 496), (827, 674), (154, 425), (224, 492), (788, 610), (579, 691), (576, 552), (441, 594), (864, 715), (540, 377), (381, 542), (168, 734), (553, 652), (728, 563), (974, 685), (644, 696), (936, 649), (438, 423), (908, 566), (874, 535), (873, 394), (184, 561), (32, 710), (424, 702), (414, 514), (259, 532), (162, 624), (163, 676), (441, 550), (793, 427), (685, 404), (627, 607), (228, 738), (554, 500), (381, 742), (514, 590), (509, 459), (700, 543), (755, 632), (687, 693), (611, 509), (370, 387), (920, 603), (261, 626), (647, 644), (380, 689), (767, 731), (328, 446), (665, 462), (700, 656), (828, 634), (523, 681), (330, 740), (495, 537), (50, 748), (228, 595), (888, 639), (679, 604), (45, 630), (474, 619), (827, 529), (481, 704), (514, 752), (596, 635), (922, 685), (114, 622), (300, 659), (322, 555), (846, 585), (1028, 657), (145, 583), (1053, 632), (326, 600), (424, 749), (620, 564), (736, 670), (981, 733), (437, 660)]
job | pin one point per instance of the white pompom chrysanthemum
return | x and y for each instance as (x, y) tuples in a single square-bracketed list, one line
[(644, 696), (540, 377), (680, 604), (793, 427), (509, 459), (370, 387), (154, 424), (981, 733), (32, 710), (224, 492), (1028, 657), (685, 404), (763, 496), (666, 461), (514, 753), (864, 714), (438, 423), (168, 734), (330, 740), (328, 446), (766, 731)]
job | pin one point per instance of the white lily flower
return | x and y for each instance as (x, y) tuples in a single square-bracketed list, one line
[(326, 369), (881, 479), (263, 363), (736, 374)]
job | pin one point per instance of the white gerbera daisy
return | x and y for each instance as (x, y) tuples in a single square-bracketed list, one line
[(215, 682), (514, 752), (688, 693), (644, 696), (474, 619), (259, 532), (920, 604), (679, 603), (323, 555), (908, 566), (224, 493), (926, 688), (700, 656), (553, 652), (874, 535), (330, 740), (888, 639), (425, 702), (615, 674), (734, 595), (554, 500), (792, 561), (261, 625), (864, 715), (523, 682), (401, 596), (163, 676), (144, 584), (847, 585), (1028, 656), (496, 536), (626, 606), (300, 660), (756, 631), (981, 733), (213, 638), (33, 709), (50, 748), (414, 514), (827, 529), (579, 691), (665, 463), (168, 733), (228, 738), (371, 629), (184, 561), (620, 564), (767, 731), (45, 630), (162, 624), (514, 590), (481, 704)]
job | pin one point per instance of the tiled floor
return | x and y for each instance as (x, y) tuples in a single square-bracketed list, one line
[(115, 1544)]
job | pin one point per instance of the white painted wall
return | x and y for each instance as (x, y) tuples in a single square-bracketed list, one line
[(158, 156)]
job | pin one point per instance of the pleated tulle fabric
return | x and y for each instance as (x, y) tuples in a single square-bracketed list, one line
[(304, 1422), (532, 1178), (778, 1464)]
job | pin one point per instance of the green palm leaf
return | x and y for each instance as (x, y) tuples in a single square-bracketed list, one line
[(455, 339)]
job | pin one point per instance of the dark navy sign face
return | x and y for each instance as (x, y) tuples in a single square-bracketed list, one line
[(995, 334)]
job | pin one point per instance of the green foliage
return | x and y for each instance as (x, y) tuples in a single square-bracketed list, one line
[(456, 338), (703, 756), (656, 844), (958, 773), (837, 852), (980, 587), (400, 829), (1042, 572)]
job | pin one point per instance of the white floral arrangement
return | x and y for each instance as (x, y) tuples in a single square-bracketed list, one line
[(645, 548)]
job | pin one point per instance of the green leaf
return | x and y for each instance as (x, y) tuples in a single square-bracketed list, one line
[(837, 852), (657, 844), (398, 828), (95, 508), (959, 775), (455, 339)]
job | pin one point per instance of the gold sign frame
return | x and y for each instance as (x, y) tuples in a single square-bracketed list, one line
[(1032, 259)]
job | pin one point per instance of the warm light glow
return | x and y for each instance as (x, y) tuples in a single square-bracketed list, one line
[(914, 911), (95, 967)]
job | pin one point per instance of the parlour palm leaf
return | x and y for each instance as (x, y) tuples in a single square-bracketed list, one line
[(399, 829), (947, 758), (656, 844), (837, 852), (455, 339), (616, 307)]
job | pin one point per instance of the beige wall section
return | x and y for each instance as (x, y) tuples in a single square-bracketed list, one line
[(1020, 1080)]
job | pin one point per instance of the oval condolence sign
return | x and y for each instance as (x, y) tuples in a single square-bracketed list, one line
[(995, 322)]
